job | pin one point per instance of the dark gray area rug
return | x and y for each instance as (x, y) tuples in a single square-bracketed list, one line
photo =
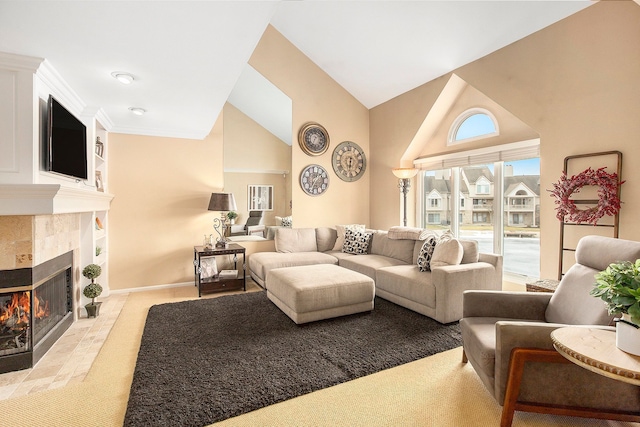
[(207, 360)]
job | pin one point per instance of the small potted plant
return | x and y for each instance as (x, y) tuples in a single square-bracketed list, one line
[(619, 287), (93, 289), (232, 215)]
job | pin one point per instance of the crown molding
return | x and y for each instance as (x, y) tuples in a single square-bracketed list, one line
[(12, 61)]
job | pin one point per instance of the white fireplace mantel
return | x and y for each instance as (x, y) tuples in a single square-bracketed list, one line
[(48, 199)]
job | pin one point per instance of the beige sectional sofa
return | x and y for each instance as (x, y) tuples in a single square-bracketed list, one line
[(392, 264)]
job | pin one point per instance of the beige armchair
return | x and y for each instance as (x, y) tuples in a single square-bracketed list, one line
[(495, 323)]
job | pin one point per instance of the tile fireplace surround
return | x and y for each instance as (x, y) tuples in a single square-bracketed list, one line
[(30, 240)]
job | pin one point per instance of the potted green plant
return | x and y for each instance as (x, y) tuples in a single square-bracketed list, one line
[(619, 287), (232, 215), (93, 289)]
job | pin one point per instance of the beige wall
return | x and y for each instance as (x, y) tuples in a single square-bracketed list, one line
[(318, 98), (162, 188), (575, 83)]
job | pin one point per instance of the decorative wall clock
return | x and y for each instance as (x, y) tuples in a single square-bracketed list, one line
[(314, 180), (349, 161), (313, 139)]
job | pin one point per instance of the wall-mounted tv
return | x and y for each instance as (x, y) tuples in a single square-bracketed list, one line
[(66, 142)]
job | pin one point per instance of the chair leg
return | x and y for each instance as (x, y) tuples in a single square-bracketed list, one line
[(516, 366)]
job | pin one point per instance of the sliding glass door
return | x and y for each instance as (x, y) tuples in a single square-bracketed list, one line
[(496, 203)]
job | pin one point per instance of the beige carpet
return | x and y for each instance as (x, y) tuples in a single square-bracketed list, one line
[(436, 391)]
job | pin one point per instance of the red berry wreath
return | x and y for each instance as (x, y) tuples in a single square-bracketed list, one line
[(608, 200)]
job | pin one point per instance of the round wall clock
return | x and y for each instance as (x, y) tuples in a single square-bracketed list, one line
[(313, 139), (349, 161), (314, 180)]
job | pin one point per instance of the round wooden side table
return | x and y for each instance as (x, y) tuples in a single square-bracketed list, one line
[(595, 349)]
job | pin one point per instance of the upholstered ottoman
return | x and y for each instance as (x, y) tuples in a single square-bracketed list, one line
[(315, 292)]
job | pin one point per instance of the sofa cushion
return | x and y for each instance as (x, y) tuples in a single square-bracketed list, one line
[(409, 233), (470, 252), (296, 240), (401, 250), (426, 252), (408, 282), (340, 231), (448, 252), (325, 238), (262, 262), (356, 242), (368, 264)]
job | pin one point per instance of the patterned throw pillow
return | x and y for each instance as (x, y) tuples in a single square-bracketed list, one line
[(356, 242), (426, 252), (287, 221)]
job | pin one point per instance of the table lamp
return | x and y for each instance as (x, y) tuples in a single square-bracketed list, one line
[(223, 203)]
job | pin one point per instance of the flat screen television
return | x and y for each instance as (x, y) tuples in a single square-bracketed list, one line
[(66, 142)]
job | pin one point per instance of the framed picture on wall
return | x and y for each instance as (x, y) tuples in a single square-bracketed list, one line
[(260, 198)]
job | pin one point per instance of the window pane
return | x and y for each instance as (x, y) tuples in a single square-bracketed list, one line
[(436, 198), (475, 125), (522, 217), (476, 184)]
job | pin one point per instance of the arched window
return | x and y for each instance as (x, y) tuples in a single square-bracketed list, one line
[(473, 124)]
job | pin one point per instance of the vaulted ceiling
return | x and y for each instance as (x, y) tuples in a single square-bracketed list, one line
[(186, 56)]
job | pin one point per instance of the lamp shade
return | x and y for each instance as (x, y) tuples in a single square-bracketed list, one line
[(222, 202), (405, 173)]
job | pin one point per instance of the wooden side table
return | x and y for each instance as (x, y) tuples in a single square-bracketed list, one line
[(595, 349), (217, 283), (543, 285)]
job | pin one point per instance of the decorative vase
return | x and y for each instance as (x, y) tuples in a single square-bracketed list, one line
[(93, 309), (628, 335)]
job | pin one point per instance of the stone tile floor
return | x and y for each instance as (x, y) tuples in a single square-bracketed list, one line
[(70, 358)]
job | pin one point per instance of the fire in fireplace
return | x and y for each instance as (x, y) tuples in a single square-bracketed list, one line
[(35, 310)]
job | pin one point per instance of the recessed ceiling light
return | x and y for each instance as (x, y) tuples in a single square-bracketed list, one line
[(122, 77), (138, 111)]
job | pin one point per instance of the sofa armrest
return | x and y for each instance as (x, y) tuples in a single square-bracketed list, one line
[(452, 280), (510, 305), (512, 334)]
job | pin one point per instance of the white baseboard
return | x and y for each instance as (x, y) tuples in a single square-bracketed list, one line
[(152, 288)]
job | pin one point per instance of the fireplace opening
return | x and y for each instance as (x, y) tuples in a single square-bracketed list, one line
[(35, 310)]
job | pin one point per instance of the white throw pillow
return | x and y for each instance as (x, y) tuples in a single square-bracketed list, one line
[(340, 229), (448, 252)]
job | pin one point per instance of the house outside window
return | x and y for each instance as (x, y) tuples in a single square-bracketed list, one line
[(517, 217)]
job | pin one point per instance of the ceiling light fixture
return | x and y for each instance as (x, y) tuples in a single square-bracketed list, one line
[(122, 77), (137, 110)]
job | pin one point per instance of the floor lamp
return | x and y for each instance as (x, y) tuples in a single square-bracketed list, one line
[(222, 202), (404, 183)]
